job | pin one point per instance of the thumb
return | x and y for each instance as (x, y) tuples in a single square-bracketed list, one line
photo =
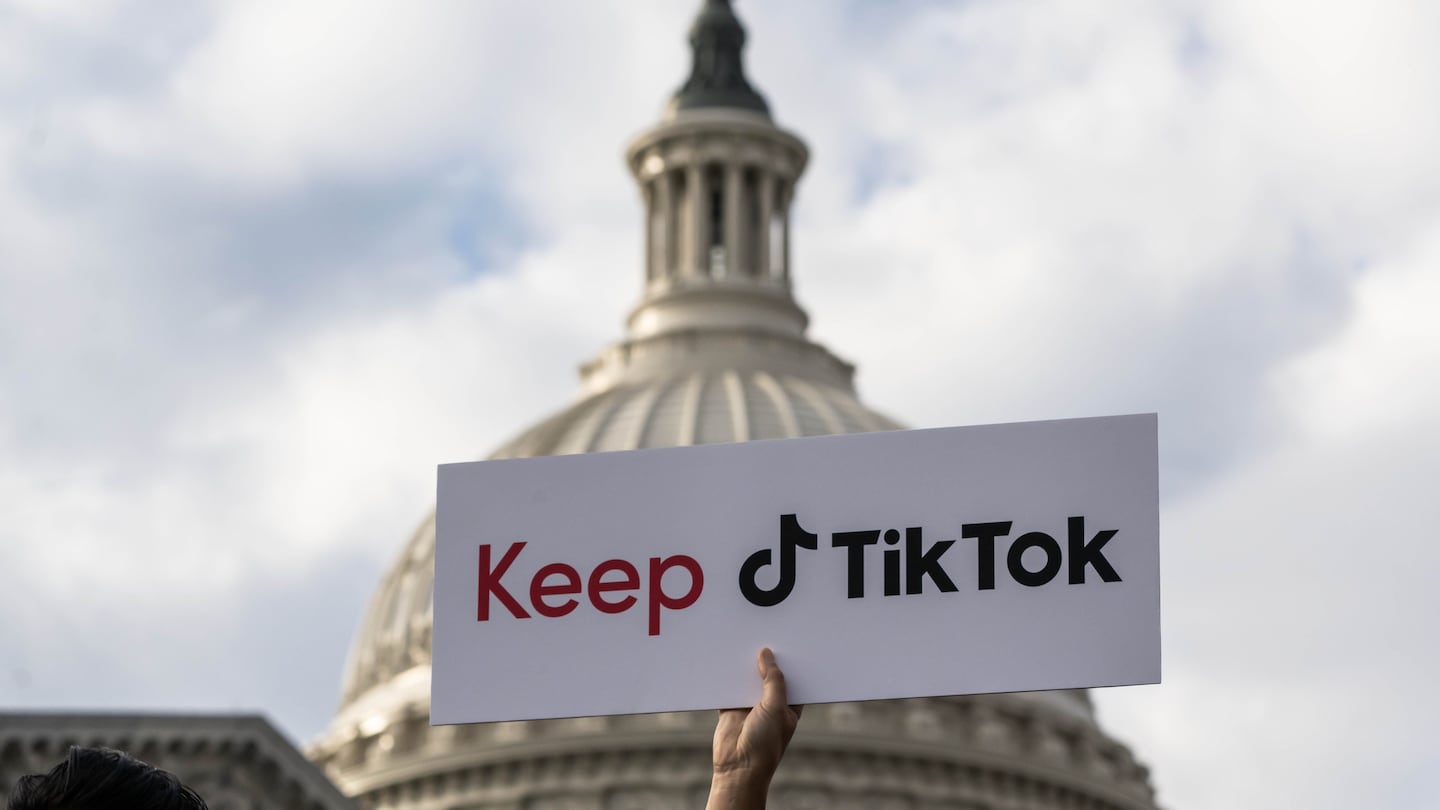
[(773, 696)]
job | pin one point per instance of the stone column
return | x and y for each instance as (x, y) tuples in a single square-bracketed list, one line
[(664, 236), (762, 237), (674, 226), (698, 244), (651, 254), (734, 250), (785, 233)]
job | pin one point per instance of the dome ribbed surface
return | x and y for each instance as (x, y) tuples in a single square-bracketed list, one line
[(698, 408)]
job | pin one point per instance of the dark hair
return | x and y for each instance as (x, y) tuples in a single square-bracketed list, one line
[(102, 779)]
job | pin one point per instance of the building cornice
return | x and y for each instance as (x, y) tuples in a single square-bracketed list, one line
[(41, 737)]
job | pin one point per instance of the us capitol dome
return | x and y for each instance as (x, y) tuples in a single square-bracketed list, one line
[(715, 351)]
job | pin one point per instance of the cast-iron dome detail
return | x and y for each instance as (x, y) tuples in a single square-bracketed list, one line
[(717, 74)]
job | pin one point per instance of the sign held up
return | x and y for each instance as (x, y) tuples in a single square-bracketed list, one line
[(883, 565)]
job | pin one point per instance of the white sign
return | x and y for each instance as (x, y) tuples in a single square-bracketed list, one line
[(881, 565)]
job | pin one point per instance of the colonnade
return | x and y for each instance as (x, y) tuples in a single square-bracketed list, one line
[(717, 220)]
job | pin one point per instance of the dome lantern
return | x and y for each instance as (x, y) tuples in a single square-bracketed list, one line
[(717, 178)]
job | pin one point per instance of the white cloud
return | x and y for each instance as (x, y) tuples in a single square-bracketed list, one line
[(1379, 372), (1298, 595), (358, 415), (275, 94)]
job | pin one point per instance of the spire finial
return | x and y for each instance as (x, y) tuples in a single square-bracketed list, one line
[(717, 75)]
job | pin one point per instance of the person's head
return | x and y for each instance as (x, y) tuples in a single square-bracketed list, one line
[(101, 779)]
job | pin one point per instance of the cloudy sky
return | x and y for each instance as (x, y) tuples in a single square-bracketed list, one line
[(263, 264)]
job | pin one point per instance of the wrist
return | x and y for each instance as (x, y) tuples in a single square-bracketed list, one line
[(738, 789)]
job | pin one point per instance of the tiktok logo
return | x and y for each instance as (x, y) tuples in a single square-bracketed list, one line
[(792, 536), (908, 568)]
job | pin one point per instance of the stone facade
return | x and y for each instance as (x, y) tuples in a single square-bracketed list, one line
[(981, 753)]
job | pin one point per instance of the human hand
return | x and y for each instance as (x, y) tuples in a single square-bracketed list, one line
[(750, 742)]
